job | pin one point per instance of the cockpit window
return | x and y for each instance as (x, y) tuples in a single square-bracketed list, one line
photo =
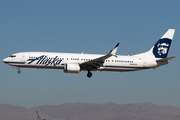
[(12, 56)]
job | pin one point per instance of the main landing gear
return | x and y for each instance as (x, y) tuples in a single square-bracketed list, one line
[(89, 74)]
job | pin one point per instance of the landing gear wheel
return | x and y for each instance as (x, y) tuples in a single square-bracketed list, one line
[(19, 72), (89, 74)]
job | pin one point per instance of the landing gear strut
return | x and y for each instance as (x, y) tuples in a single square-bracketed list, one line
[(89, 74), (18, 71)]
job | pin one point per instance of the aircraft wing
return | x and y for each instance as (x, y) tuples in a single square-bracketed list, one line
[(95, 63)]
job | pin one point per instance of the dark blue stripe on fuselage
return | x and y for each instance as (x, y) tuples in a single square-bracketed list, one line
[(15, 62)]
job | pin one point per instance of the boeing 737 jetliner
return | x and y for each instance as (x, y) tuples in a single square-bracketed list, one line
[(74, 63)]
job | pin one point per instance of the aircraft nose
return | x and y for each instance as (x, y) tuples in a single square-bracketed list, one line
[(5, 60)]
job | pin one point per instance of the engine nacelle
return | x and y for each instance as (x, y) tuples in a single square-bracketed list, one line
[(71, 68)]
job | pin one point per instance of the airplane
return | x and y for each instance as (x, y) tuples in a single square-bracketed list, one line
[(76, 62)]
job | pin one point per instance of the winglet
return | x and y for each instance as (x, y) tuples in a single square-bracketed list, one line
[(113, 51)]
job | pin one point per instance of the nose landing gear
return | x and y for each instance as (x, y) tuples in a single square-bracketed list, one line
[(89, 74), (18, 71)]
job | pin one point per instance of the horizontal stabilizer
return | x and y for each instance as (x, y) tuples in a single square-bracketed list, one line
[(166, 59)]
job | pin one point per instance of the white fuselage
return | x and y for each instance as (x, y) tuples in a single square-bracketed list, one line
[(74, 63), (58, 60)]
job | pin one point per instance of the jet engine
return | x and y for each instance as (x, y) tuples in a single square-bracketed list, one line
[(71, 68)]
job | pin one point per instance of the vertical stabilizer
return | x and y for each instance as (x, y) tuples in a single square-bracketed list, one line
[(162, 46)]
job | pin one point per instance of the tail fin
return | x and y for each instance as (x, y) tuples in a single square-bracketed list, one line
[(161, 48)]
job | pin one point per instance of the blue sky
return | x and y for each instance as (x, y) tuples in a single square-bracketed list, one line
[(91, 27)]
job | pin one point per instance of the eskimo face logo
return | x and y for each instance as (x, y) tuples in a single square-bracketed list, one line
[(162, 48)]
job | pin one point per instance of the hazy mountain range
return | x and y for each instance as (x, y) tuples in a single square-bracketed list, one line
[(91, 111)]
